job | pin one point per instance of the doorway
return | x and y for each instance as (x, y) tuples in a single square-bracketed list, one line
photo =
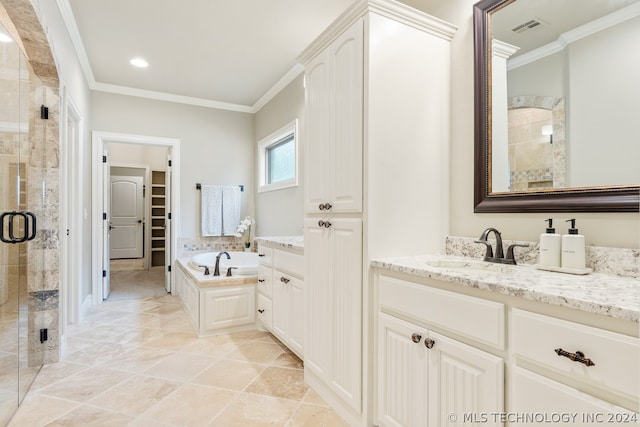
[(112, 250)]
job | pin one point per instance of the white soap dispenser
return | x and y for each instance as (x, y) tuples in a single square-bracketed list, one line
[(550, 246), (573, 248)]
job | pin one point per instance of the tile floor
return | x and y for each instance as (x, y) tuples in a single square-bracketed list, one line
[(138, 363), (130, 284)]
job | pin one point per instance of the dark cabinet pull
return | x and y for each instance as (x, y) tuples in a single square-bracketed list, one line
[(325, 224), (284, 280), (260, 255), (428, 342), (415, 337), (578, 356), (260, 280), (260, 311)]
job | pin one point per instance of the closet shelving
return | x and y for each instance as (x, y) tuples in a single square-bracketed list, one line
[(158, 217)]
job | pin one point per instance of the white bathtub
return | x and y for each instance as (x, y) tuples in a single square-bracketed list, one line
[(245, 263)]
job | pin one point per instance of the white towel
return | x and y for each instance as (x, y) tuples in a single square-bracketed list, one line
[(231, 204), (211, 210)]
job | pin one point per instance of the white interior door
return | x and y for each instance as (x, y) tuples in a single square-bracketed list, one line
[(126, 217), (106, 226), (167, 222)]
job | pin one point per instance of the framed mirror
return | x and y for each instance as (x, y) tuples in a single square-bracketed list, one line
[(556, 106)]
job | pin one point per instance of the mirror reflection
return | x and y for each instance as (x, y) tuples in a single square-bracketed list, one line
[(564, 95)]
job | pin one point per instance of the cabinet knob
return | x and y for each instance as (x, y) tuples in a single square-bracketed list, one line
[(416, 337), (321, 206), (325, 206), (578, 356), (260, 311), (325, 224), (284, 280), (428, 342), (260, 255), (260, 280)]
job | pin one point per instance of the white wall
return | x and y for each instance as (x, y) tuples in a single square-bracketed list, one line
[(130, 154), (602, 229), (217, 146), (280, 212)]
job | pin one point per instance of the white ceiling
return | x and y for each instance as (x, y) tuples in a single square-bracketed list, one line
[(232, 54)]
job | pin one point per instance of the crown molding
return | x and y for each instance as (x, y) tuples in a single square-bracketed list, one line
[(575, 34), (169, 97), (388, 8), (502, 49), (70, 22)]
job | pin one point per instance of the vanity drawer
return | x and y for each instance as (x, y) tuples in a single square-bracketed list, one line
[(265, 312), (536, 337), (265, 255), (471, 317), (265, 280), (289, 262)]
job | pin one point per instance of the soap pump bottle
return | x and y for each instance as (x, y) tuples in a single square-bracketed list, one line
[(573, 248), (550, 243)]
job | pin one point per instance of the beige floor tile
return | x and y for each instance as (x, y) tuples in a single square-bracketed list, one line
[(86, 415), (99, 352), (190, 405), (135, 395), (214, 347), (257, 352), (53, 372), (256, 411), (138, 359), (41, 410), (314, 398), (85, 385), (173, 340), (316, 416), (230, 374), (139, 336), (288, 360), (181, 367), (285, 383)]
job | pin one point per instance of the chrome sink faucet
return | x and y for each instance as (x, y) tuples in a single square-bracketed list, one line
[(216, 270), (499, 255)]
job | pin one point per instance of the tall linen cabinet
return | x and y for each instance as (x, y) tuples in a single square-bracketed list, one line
[(376, 141)]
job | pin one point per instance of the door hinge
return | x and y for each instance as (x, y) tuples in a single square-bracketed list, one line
[(104, 273), (104, 216), (169, 163), (44, 112), (169, 268), (169, 215), (104, 159)]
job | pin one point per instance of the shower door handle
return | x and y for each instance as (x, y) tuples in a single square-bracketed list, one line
[(29, 220)]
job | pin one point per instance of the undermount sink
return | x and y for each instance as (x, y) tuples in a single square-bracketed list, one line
[(458, 264)]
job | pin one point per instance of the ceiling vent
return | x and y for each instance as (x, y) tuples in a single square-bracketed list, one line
[(530, 25)]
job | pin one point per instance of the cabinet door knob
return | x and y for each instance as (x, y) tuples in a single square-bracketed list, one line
[(325, 224), (578, 356), (260, 255), (321, 206), (415, 337), (327, 206), (284, 280), (260, 311), (260, 280), (428, 342)]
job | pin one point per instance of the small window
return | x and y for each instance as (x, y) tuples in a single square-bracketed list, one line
[(278, 157)]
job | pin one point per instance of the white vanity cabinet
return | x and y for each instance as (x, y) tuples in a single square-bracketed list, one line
[(566, 367), (281, 304), (376, 123), (425, 378)]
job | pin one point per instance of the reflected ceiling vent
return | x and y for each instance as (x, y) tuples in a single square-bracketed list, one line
[(528, 26)]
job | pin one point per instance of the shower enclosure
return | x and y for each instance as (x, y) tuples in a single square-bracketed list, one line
[(23, 247)]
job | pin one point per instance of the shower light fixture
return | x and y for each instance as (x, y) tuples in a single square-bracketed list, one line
[(548, 130)]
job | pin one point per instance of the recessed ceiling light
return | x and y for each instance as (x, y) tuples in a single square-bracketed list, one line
[(5, 38), (139, 62)]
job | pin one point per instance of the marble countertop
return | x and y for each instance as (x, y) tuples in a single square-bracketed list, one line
[(609, 295), (288, 242)]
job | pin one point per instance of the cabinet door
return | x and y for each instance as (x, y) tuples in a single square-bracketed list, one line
[(345, 308), (318, 321), (541, 397), (401, 373), (317, 130), (463, 381), (346, 59), (265, 311), (281, 306), (296, 316)]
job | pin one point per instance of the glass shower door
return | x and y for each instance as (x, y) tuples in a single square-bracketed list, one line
[(18, 365)]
